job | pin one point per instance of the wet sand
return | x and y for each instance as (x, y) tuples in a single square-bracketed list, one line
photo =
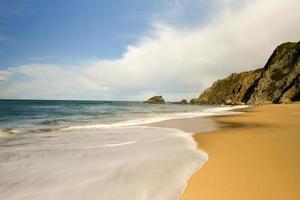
[(254, 155)]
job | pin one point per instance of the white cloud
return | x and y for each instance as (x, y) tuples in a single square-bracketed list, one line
[(4, 75), (50, 81), (171, 60)]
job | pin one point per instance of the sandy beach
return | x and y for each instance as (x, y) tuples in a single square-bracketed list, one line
[(254, 155)]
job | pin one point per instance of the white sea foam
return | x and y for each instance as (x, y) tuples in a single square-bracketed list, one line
[(223, 110), (129, 163), (2, 133), (102, 161)]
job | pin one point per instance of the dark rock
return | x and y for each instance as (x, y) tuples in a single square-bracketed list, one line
[(155, 100), (183, 101), (231, 90), (277, 82), (194, 101), (280, 80)]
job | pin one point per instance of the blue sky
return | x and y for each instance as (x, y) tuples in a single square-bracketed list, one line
[(133, 49), (73, 31), (69, 31)]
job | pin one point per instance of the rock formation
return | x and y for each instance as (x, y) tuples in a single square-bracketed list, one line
[(155, 100), (194, 101), (277, 82), (280, 81), (230, 90), (183, 101)]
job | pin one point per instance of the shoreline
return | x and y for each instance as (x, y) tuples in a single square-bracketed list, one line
[(199, 125), (253, 155)]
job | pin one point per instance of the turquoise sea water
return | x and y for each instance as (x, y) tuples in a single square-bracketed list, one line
[(42, 116), (91, 150)]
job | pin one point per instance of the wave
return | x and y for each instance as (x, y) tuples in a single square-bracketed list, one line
[(123, 160), (223, 110), (122, 163), (52, 121), (8, 131), (51, 125)]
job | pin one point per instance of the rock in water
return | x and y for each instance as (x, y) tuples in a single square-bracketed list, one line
[(277, 82), (183, 101), (155, 100)]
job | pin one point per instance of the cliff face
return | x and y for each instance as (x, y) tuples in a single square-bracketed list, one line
[(280, 80), (230, 90), (277, 82)]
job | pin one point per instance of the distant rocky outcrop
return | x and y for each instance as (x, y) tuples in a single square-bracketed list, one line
[(155, 100), (277, 82), (183, 101), (194, 101)]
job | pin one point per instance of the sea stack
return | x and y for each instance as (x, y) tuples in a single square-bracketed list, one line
[(155, 100)]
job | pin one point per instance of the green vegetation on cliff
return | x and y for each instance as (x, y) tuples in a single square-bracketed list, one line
[(277, 82)]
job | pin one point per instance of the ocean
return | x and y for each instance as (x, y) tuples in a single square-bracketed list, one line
[(74, 150)]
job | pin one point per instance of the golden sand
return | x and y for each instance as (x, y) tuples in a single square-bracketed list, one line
[(257, 161)]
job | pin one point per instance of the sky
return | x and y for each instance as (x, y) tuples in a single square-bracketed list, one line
[(134, 49)]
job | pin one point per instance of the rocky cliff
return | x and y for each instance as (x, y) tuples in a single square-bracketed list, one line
[(230, 90), (277, 82)]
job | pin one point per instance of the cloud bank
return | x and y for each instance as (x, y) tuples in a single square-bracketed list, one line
[(171, 60), (4, 75)]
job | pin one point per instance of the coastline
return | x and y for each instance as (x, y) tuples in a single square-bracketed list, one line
[(253, 155)]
